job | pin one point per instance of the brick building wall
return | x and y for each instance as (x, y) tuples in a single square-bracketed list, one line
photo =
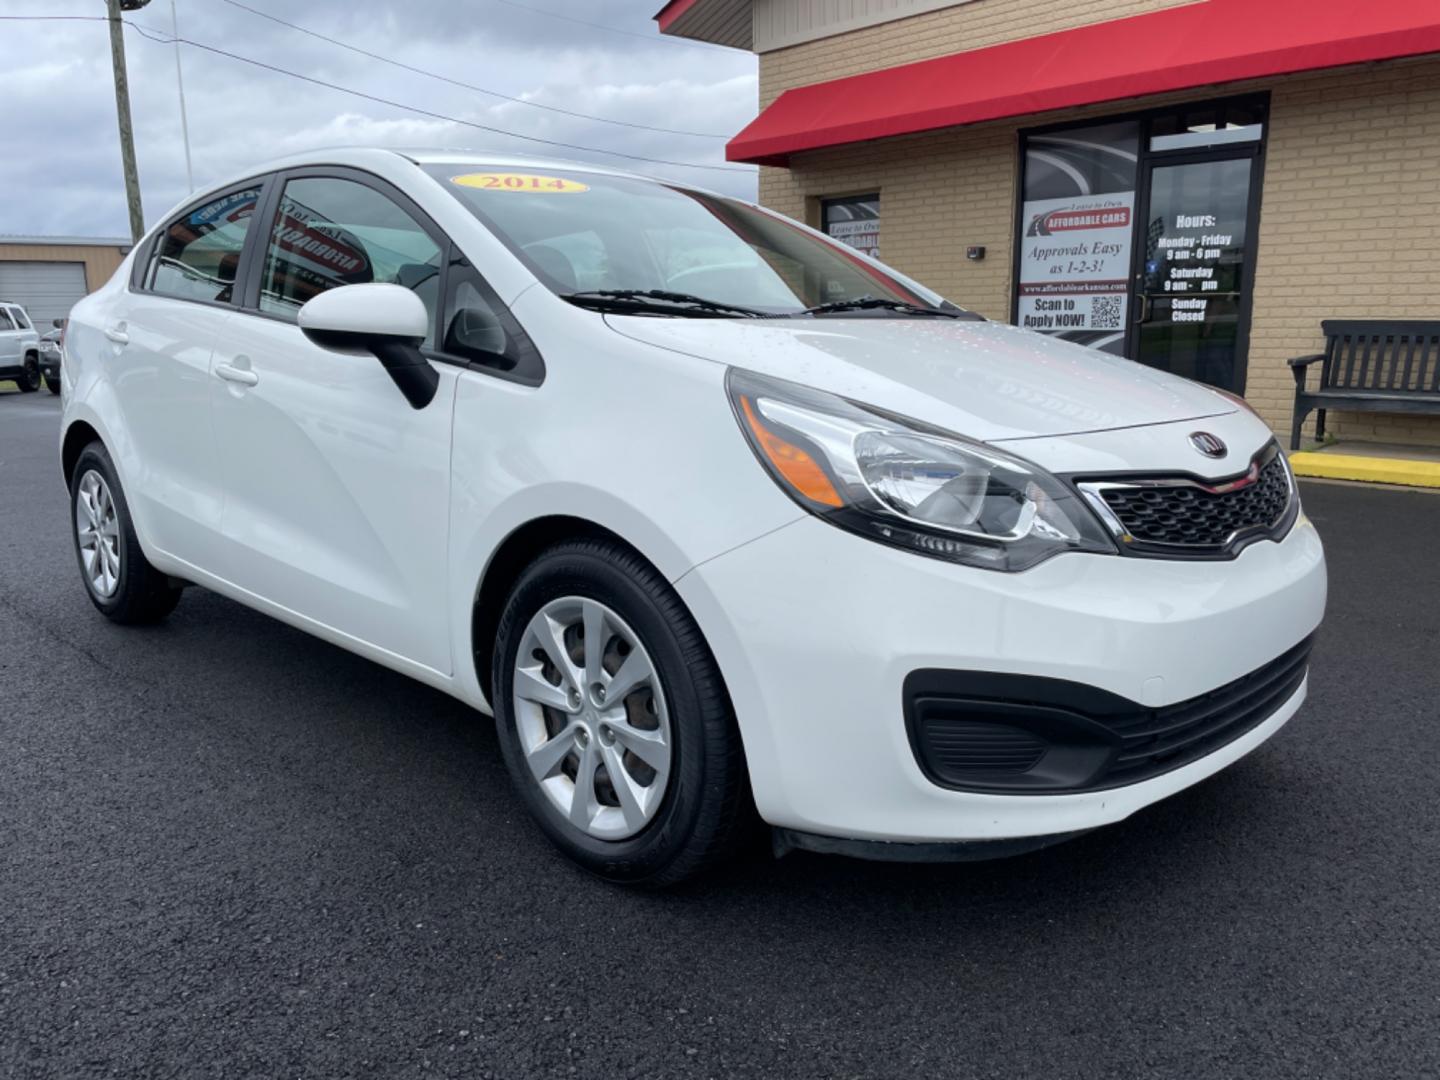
[(1350, 210), (1349, 225)]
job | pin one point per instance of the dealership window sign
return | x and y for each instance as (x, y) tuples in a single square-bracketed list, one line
[(854, 222), (1076, 229)]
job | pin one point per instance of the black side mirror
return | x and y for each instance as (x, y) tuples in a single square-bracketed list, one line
[(387, 320)]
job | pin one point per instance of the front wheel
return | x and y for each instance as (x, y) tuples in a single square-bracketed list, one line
[(52, 383), (118, 578), (29, 380), (614, 723)]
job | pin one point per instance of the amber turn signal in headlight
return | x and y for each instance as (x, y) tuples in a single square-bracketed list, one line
[(904, 483)]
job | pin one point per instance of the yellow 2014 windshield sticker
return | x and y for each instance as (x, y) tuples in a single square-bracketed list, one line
[(536, 185)]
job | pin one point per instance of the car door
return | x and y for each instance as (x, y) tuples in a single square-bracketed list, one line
[(159, 336), (337, 490), (10, 353)]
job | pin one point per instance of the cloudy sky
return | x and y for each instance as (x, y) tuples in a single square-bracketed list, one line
[(60, 103)]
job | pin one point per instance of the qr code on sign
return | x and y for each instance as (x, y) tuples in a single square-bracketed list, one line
[(1105, 312)]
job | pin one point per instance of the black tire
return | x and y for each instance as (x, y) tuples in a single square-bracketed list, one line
[(142, 594), (706, 810), (52, 384), (29, 380)]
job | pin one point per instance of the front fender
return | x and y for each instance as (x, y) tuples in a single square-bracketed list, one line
[(472, 560)]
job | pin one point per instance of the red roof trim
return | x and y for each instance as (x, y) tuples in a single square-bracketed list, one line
[(1216, 41)]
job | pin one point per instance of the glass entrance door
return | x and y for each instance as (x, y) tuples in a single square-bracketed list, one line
[(1192, 283)]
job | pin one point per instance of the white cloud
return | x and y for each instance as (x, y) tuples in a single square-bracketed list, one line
[(60, 101)]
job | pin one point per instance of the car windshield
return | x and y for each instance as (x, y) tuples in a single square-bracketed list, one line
[(586, 233)]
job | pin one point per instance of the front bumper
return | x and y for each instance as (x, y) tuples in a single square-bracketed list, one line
[(50, 367), (815, 631)]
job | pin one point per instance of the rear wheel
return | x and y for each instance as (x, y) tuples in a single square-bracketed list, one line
[(29, 380), (118, 578), (614, 723)]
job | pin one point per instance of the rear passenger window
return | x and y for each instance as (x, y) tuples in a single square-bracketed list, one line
[(5, 323), (198, 256), (334, 232)]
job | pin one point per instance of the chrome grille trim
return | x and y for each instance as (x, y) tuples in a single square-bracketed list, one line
[(1112, 500)]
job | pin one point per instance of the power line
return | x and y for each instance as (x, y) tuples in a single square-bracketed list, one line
[(151, 36), (156, 37), (609, 29), (465, 85)]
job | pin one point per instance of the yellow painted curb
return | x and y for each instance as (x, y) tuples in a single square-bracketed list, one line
[(1376, 470)]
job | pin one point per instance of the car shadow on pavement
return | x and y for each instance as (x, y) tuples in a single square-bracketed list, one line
[(342, 720)]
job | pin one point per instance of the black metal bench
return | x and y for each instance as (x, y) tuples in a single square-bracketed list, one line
[(1370, 365)]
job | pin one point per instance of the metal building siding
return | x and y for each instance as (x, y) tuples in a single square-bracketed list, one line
[(721, 22), (46, 290)]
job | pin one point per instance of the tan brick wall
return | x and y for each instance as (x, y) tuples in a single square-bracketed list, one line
[(1350, 225), (1350, 217), (936, 33), (938, 194)]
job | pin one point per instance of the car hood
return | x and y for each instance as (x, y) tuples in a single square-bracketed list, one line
[(985, 380)]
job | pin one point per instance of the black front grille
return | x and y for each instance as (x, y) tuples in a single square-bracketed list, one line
[(1191, 515), (1158, 740), (1031, 735)]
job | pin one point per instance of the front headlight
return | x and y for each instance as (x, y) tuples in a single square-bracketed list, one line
[(903, 483)]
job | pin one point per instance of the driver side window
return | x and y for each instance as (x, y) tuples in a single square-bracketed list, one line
[(333, 232)]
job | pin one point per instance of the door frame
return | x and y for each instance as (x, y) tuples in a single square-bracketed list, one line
[(1146, 119), (1146, 167), (528, 367)]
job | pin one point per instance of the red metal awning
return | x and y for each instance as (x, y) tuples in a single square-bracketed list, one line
[(1216, 41)]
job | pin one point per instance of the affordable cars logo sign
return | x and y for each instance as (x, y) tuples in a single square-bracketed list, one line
[(1076, 230), (1074, 264), (1071, 220)]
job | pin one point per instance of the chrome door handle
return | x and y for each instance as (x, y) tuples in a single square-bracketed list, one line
[(230, 373), (117, 334)]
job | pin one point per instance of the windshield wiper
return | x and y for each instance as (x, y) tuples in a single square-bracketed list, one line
[(870, 303), (657, 300)]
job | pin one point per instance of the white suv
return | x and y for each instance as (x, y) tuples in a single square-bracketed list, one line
[(19, 348), (719, 518)]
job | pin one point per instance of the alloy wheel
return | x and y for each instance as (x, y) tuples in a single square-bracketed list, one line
[(98, 531), (592, 718)]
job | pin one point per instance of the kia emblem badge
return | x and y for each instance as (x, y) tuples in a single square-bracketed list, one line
[(1209, 445)]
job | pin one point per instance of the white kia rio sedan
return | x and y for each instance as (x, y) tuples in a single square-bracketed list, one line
[(720, 519)]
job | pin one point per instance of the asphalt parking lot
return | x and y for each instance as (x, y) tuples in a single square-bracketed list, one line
[(228, 849)]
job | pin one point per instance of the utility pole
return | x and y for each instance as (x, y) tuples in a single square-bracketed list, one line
[(180, 82), (122, 111)]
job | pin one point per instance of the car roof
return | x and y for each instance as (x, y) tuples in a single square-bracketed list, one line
[(432, 156), (363, 157), (340, 155)]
